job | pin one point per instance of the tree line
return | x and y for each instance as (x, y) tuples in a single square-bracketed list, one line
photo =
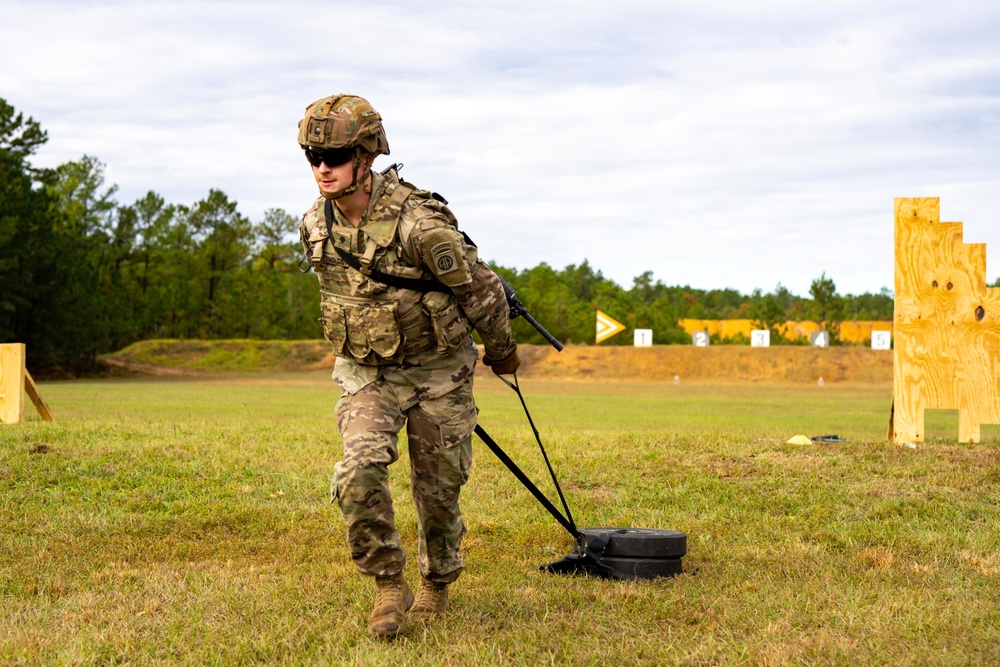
[(564, 302), (82, 274)]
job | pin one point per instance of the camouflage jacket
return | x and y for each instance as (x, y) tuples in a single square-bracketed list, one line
[(376, 328)]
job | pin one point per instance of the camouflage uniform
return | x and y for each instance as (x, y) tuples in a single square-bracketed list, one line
[(404, 356)]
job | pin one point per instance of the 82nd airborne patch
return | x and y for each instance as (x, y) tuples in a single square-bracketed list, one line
[(444, 257)]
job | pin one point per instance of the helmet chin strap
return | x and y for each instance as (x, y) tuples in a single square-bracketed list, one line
[(353, 187)]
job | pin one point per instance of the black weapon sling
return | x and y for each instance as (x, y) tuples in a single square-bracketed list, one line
[(399, 282)]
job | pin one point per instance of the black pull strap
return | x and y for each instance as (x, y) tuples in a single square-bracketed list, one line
[(587, 558), (517, 390), (527, 483), (565, 521)]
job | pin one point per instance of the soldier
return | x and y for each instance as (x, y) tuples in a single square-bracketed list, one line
[(401, 292)]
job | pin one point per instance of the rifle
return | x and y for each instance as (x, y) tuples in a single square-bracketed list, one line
[(518, 309)]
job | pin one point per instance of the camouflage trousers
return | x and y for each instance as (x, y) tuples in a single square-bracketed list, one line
[(439, 435)]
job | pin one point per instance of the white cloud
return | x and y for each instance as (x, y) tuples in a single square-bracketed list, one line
[(714, 143)]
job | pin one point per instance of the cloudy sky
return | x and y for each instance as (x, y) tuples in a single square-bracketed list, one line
[(716, 143)]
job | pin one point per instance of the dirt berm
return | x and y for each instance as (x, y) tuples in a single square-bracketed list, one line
[(783, 364), (660, 363)]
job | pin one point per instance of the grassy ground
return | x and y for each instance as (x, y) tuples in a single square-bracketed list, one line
[(186, 521)]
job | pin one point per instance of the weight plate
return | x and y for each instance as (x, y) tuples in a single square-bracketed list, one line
[(643, 568), (639, 542)]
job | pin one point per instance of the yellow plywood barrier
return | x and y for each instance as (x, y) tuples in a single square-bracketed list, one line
[(947, 326), (15, 380), (12, 383), (850, 332)]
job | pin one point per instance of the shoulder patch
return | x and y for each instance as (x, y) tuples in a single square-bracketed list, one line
[(444, 257)]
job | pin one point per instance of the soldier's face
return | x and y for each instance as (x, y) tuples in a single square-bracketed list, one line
[(331, 179)]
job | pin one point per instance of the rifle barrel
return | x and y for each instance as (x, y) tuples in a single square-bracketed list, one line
[(517, 309), (549, 337)]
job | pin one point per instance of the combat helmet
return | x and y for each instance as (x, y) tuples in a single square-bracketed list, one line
[(343, 121)]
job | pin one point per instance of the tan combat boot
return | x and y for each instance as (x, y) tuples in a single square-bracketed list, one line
[(432, 600), (392, 600)]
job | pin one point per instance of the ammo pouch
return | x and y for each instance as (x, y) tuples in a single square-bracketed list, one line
[(374, 333), (451, 326), (365, 330)]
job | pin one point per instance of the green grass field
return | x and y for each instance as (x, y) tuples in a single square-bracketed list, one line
[(187, 521)]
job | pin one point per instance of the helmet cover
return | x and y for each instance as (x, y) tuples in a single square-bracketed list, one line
[(343, 121)]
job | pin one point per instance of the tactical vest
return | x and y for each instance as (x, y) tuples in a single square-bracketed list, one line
[(369, 321)]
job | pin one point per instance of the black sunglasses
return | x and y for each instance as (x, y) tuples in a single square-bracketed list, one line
[(333, 157)]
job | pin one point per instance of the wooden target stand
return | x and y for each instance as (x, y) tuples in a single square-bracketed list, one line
[(15, 382), (946, 324)]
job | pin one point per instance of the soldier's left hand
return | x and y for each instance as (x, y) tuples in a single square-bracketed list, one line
[(506, 366)]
